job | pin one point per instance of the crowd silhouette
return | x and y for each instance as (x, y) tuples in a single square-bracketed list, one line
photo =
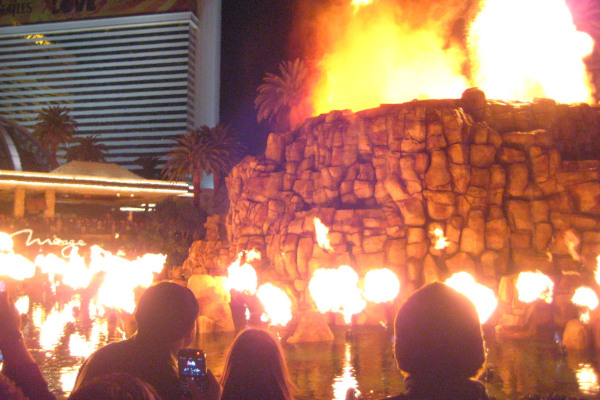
[(438, 346)]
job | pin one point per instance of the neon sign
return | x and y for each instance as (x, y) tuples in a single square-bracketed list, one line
[(66, 244)]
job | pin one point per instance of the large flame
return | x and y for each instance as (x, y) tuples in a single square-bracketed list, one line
[(532, 286), (241, 275), (381, 285), (277, 304), (371, 52), (13, 265), (337, 290), (481, 296), (588, 299), (522, 49), (383, 53)]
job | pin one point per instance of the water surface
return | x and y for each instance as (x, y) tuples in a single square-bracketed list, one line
[(365, 360)]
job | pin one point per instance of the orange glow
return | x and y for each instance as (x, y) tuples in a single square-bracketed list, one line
[(357, 4), (587, 298), (597, 272), (382, 55), (532, 286), (322, 235), (53, 327), (481, 296), (337, 290), (572, 241), (381, 285), (13, 265), (278, 305), (372, 52), (22, 305), (439, 240), (242, 277), (6, 242), (523, 49)]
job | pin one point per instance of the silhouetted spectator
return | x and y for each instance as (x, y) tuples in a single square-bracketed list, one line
[(439, 345), (255, 369), (18, 364), (166, 319), (116, 386)]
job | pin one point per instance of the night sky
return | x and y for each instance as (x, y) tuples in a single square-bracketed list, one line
[(254, 39)]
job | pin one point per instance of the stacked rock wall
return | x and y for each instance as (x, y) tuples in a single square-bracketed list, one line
[(489, 174)]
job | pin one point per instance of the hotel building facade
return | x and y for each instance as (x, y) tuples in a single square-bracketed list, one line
[(136, 73)]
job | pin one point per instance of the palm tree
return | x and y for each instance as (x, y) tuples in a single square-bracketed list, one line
[(282, 98), (149, 164), (55, 128), (204, 150), (86, 148)]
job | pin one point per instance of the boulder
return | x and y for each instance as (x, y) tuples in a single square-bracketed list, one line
[(312, 327), (577, 336)]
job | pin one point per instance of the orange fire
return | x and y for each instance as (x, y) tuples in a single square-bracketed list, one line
[(532, 286), (381, 285), (322, 235), (357, 4), (382, 55), (337, 290), (277, 304), (13, 265), (522, 49), (481, 296), (585, 297), (440, 242), (372, 52), (572, 242), (242, 277), (22, 304)]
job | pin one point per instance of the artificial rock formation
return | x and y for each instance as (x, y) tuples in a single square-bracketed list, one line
[(490, 174)]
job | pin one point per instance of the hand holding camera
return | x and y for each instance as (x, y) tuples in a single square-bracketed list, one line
[(197, 382)]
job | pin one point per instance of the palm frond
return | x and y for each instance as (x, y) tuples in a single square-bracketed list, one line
[(279, 93)]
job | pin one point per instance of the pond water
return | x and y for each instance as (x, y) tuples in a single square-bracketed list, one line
[(325, 370)]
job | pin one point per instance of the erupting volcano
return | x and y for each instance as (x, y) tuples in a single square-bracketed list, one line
[(371, 52)]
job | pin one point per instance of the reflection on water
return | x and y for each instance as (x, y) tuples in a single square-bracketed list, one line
[(587, 379), (347, 379), (60, 341)]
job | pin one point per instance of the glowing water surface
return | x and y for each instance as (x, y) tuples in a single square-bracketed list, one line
[(364, 360)]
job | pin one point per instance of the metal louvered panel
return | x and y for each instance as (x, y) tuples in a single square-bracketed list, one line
[(129, 80)]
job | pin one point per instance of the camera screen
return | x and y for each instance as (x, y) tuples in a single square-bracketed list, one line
[(192, 365)]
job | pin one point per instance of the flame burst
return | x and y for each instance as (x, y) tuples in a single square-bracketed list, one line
[(337, 290), (381, 285), (523, 49), (357, 4), (242, 277), (587, 298), (481, 296), (13, 265), (322, 235), (572, 242), (278, 305), (440, 242), (532, 286), (384, 54), (372, 52)]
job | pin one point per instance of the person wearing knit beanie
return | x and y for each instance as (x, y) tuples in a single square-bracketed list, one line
[(166, 317), (439, 345)]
